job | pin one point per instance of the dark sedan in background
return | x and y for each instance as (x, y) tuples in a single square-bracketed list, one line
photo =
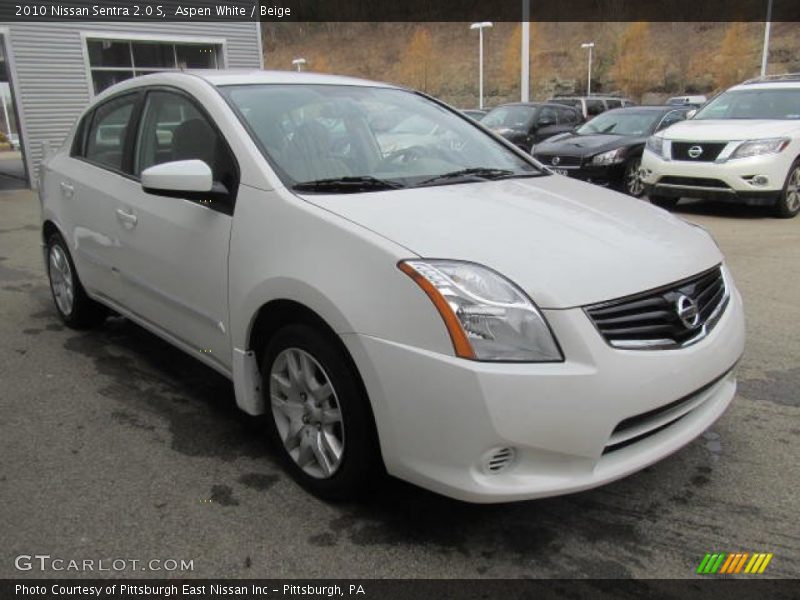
[(608, 149), (527, 123)]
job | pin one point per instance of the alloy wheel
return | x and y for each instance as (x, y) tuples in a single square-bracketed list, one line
[(793, 191), (307, 413), (633, 178), (61, 280)]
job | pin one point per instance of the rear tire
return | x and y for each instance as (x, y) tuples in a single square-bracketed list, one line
[(665, 202), (74, 306), (789, 203), (318, 415)]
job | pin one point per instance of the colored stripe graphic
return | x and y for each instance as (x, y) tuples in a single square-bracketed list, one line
[(723, 563)]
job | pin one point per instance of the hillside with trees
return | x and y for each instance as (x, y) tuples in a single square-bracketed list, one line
[(645, 61)]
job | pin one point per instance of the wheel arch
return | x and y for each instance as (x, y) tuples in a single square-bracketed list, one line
[(279, 312)]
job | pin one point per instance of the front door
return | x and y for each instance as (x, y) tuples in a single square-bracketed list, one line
[(174, 254)]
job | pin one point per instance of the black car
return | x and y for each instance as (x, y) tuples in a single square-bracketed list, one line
[(474, 113), (527, 123), (608, 149)]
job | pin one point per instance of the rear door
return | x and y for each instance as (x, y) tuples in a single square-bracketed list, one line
[(88, 181), (174, 251)]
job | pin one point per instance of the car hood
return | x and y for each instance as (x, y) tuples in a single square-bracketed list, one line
[(565, 242), (711, 130), (581, 145)]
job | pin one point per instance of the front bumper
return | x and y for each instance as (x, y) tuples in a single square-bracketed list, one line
[(730, 181), (438, 416), (612, 175)]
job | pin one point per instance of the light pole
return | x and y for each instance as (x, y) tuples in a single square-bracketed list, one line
[(480, 27), (765, 52), (590, 46), (299, 62), (524, 63)]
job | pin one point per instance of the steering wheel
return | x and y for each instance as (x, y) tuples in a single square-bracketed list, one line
[(403, 156)]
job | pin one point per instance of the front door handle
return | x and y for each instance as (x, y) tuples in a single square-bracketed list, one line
[(67, 189), (128, 219)]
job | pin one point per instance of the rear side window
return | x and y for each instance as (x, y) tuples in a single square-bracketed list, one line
[(612, 103), (105, 139), (567, 116), (594, 107)]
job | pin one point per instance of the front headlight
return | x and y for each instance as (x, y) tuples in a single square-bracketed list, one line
[(655, 144), (757, 147), (609, 158), (487, 316)]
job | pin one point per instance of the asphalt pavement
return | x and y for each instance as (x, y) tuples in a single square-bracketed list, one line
[(114, 445)]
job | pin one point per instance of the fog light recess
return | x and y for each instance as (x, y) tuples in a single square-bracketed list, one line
[(498, 460)]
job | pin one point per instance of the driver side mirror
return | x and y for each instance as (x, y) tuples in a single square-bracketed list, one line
[(545, 122), (189, 179)]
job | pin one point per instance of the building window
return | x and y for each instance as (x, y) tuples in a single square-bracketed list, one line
[(112, 61)]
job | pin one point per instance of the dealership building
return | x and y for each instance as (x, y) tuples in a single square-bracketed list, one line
[(55, 69)]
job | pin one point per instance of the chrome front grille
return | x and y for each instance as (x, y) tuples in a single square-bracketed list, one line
[(697, 151), (669, 317)]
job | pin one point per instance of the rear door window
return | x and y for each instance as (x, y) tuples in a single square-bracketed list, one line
[(105, 139), (594, 107)]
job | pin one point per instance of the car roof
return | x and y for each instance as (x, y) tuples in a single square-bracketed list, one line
[(534, 104), (222, 77), (648, 108), (768, 85)]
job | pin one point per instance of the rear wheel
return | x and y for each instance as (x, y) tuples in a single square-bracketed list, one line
[(319, 416), (74, 307), (789, 203), (665, 202)]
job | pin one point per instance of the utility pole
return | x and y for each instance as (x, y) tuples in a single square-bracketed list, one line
[(765, 52)]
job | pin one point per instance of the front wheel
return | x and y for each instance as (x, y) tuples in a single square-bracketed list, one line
[(665, 202), (319, 417), (789, 203), (633, 184)]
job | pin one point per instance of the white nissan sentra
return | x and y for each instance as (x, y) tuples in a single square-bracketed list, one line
[(391, 284)]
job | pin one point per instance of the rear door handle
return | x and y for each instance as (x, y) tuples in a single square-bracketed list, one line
[(127, 218), (67, 189)]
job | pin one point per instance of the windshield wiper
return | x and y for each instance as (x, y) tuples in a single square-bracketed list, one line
[(364, 183), (479, 173)]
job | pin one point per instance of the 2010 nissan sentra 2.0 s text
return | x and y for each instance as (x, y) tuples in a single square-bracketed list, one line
[(391, 284)]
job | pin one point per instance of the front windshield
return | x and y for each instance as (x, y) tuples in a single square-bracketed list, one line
[(753, 104), (632, 123), (346, 134), (508, 116)]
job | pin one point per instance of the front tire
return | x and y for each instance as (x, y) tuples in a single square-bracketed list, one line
[(632, 183), (74, 306), (319, 417), (789, 203), (665, 202)]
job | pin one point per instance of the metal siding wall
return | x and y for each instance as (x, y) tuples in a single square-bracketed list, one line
[(51, 80)]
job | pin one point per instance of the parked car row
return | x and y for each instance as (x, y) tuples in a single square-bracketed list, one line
[(741, 146), (608, 149)]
